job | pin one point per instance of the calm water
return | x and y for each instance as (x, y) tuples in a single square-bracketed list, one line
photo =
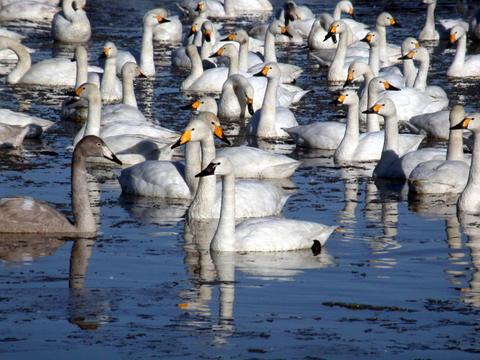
[(400, 280)]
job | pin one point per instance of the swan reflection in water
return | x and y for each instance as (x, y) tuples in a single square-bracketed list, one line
[(216, 270)]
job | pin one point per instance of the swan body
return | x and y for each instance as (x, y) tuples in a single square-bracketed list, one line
[(444, 176), (435, 125), (72, 24), (462, 65), (27, 215), (237, 98), (266, 234), (35, 125), (325, 135), (28, 10), (270, 121), (12, 136)]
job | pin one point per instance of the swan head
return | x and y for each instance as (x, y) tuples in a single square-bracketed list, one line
[(88, 91), (270, 70), (355, 71), (457, 114), (347, 97), (384, 107), (201, 7), (79, 4), (456, 33), (219, 166), (387, 19), (337, 27), (240, 36), (156, 16), (346, 7), (93, 146), (109, 50), (196, 26), (409, 44), (277, 28), (207, 30), (380, 84), (372, 38), (420, 54), (203, 104), (469, 122), (228, 50), (200, 127), (132, 70)]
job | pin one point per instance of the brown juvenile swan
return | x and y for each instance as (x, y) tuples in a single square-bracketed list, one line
[(27, 215)]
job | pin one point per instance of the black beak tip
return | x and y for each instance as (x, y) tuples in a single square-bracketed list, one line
[(116, 160), (176, 144), (251, 111), (214, 55), (397, 25), (142, 76), (258, 74)]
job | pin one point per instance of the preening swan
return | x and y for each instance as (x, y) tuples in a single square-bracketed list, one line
[(444, 176), (27, 215), (462, 65), (266, 234), (72, 24), (237, 99)]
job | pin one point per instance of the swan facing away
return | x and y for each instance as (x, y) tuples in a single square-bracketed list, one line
[(469, 200), (72, 24), (444, 176), (27, 215), (265, 234)]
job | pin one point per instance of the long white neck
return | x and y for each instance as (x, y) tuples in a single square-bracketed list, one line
[(455, 145), (266, 124), (82, 70), (94, 115), (391, 134), (193, 164), (128, 95), (204, 201), (243, 56), (409, 72), (68, 10), (206, 49), (430, 21), (233, 67), (422, 75), (146, 57), (374, 59), (109, 76), (229, 6), (363, 91), (269, 47), (468, 200), (224, 238), (382, 44), (24, 61), (337, 12), (459, 60), (197, 66), (352, 133), (373, 120), (335, 72), (84, 219)]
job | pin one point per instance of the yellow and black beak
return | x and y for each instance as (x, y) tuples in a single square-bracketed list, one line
[(284, 31), (263, 72), (79, 90), (193, 106), (221, 135), (390, 87), (349, 80), (351, 13), (368, 38), (193, 30), (394, 23), (230, 37), (218, 53), (453, 38), (375, 109), (162, 20), (184, 138), (332, 31), (408, 56), (209, 170), (462, 124), (251, 110), (200, 6), (105, 53), (340, 99), (208, 35)]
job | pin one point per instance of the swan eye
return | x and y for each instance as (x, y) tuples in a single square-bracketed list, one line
[(213, 123), (98, 144), (270, 68), (193, 129)]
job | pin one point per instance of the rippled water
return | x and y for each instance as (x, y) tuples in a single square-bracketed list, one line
[(400, 280)]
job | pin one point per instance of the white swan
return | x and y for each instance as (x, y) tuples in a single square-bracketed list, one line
[(170, 29), (228, 8), (24, 215), (110, 84), (133, 142), (469, 200), (180, 58), (35, 125), (444, 176), (246, 58), (203, 104), (391, 164), (434, 125), (266, 234), (237, 97), (429, 33), (72, 24), (388, 53), (12, 136), (74, 108), (168, 180), (49, 72), (270, 121), (28, 10), (145, 58), (462, 65), (356, 147)]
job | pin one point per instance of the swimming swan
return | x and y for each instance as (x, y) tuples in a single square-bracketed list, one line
[(266, 234), (27, 215), (72, 24), (462, 65), (12, 136), (429, 33)]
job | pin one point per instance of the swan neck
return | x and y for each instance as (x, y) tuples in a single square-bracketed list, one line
[(82, 212), (197, 66), (233, 69), (68, 10), (266, 122), (422, 75), (109, 74), (339, 59), (224, 238), (228, 5), (391, 133), (92, 125), (459, 59), (473, 184), (353, 116), (430, 20), (382, 43), (374, 60), (409, 72), (337, 12), (128, 90), (24, 62), (192, 165), (455, 145), (146, 57), (269, 47), (243, 57), (373, 120)]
